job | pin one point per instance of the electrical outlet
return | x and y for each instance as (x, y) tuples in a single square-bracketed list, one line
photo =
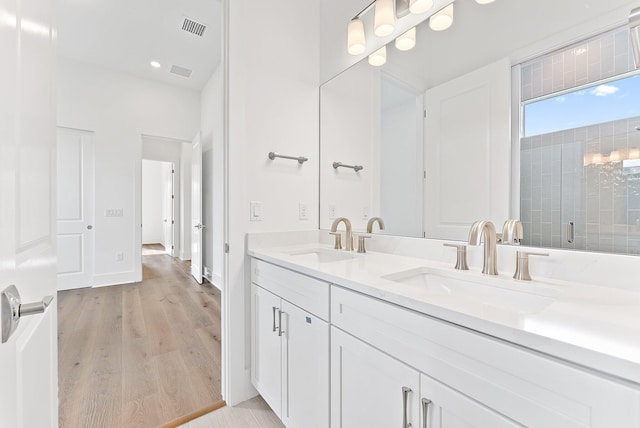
[(119, 256), (303, 211), (256, 211), (332, 212), (365, 213)]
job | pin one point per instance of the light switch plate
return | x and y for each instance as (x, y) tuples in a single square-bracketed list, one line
[(256, 211), (365, 213), (113, 212)]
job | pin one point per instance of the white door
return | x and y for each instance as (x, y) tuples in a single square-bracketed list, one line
[(196, 210), (467, 152), (305, 369), (167, 208), (447, 408), (28, 396), (368, 388), (265, 347), (75, 208)]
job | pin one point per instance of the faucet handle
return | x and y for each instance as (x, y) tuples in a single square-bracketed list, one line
[(338, 243), (522, 264), (361, 246), (461, 256)]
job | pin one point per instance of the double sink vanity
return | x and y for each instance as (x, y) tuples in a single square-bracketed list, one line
[(347, 339)]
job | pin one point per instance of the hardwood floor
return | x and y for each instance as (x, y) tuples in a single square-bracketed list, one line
[(139, 355), (254, 413)]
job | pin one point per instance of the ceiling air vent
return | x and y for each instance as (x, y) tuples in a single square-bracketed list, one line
[(193, 27), (180, 71)]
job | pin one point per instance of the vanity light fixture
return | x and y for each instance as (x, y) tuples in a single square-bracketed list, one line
[(442, 19), (384, 20), (407, 40), (154, 64), (379, 57), (356, 41), (484, 1), (420, 6)]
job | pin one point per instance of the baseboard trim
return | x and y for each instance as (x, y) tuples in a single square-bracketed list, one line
[(106, 279), (194, 415)]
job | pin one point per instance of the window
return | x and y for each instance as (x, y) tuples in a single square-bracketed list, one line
[(580, 147)]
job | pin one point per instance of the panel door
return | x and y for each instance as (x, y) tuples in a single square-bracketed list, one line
[(75, 208), (196, 210), (305, 369), (367, 386), (167, 206), (265, 347), (450, 409), (28, 396), (467, 152)]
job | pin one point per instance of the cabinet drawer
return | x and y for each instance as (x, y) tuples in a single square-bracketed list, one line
[(308, 293), (525, 386)]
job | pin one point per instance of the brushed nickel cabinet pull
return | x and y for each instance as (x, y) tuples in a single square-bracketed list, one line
[(405, 393), (280, 330), (425, 412), (274, 318)]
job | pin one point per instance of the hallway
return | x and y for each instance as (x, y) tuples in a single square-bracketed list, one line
[(139, 354)]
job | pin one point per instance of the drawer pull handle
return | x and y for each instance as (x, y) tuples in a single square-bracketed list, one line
[(425, 412), (280, 330), (274, 318), (405, 393)]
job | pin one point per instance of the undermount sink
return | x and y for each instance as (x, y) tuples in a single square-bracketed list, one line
[(321, 255), (475, 296)]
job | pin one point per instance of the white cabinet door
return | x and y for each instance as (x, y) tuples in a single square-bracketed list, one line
[(305, 369), (367, 386), (265, 349), (446, 408)]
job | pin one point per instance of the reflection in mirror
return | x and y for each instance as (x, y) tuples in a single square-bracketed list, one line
[(580, 111), (434, 173)]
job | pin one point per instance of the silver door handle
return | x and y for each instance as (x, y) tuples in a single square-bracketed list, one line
[(280, 330), (13, 309), (199, 226), (425, 412), (89, 227), (274, 318), (405, 393)]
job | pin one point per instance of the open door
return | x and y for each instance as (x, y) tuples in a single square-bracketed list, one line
[(168, 199), (196, 210), (28, 351)]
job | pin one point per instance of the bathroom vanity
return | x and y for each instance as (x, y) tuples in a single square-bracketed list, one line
[(342, 339)]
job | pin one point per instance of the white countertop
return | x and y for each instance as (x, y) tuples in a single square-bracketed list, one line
[(594, 327)]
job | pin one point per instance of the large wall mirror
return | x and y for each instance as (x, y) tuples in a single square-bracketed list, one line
[(521, 109)]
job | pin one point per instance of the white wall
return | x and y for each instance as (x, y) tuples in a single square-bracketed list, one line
[(350, 117), (152, 202), (273, 77), (212, 134), (119, 109)]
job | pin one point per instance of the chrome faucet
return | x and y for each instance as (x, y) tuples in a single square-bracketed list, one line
[(486, 228), (373, 220), (349, 236)]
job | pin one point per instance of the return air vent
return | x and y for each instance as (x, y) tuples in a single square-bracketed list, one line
[(180, 71), (193, 27)]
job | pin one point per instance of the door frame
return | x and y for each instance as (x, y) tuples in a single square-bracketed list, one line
[(175, 182)]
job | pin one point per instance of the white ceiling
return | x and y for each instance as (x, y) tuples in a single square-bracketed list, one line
[(125, 35)]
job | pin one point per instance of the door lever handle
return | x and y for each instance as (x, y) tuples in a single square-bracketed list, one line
[(13, 309)]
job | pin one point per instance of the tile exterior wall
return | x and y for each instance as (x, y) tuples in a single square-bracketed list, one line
[(596, 59), (561, 181)]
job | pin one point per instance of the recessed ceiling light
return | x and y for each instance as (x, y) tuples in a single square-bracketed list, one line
[(155, 64)]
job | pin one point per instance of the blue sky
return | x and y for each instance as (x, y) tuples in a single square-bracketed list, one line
[(600, 103)]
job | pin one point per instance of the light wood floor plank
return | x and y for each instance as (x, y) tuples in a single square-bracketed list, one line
[(129, 355)]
